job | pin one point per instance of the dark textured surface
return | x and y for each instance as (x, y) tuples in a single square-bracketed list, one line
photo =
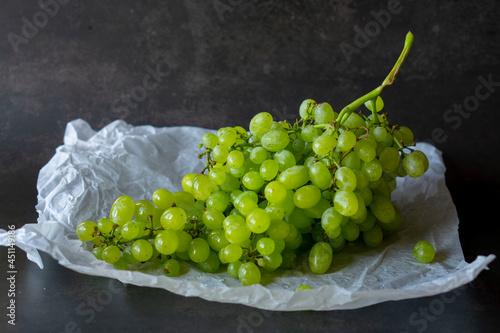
[(261, 56)]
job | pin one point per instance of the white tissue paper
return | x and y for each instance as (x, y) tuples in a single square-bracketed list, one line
[(92, 169)]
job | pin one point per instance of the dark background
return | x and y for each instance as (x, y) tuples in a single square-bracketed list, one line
[(220, 63)]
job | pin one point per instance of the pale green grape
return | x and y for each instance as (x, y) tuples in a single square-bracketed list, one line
[(285, 159), (275, 192), (346, 179), (324, 114), (235, 159), (324, 144), (309, 133), (373, 237), (307, 196), (249, 274), (171, 268), (211, 265), (187, 182), (320, 176), (86, 231), (203, 187), (167, 241), (305, 106), (217, 240), (365, 150), (414, 165), (209, 140), (331, 219), (219, 154), (227, 137), (372, 170), (142, 250), (383, 209), (252, 180), (198, 250), (261, 123), (213, 218), (294, 177), (275, 140), (258, 155), (424, 252), (233, 269), (269, 170), (130, 230), (232, 253), (217, 176), (278, 229), (258, 221), (389, 159), (346, 141), (272, 261), (218, 200), (163, 199), (111, 254), (350, 231), (236, 233), (345, 203), (320, 258), (122, 210), (299, 219), (173, 218), (184, 240)]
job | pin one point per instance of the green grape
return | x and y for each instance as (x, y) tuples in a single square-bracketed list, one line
[(232, 253), (337, 244), (238, 173), (309, 133), (306, 196), (346, 141), (86, 231), (198, 250), (235, 159), (380, 134), (346, 179), (278, 229), (233, 269), (246, 205), (368, 223), (407, 135), (423, 157), (146, 211), (288, 259), (258, 221), (233, 220), (372, 170), (320, 176), (184, 240), (167, 241), (272, 261), (142, 250), (237, 234), (324, 114), (365, 150), (184, 199), (275, 140), (331, 219), (320, 258), (97, 252), (163, 199), (128, 256), (350, 231), (249, 274), (261, 123), (130, 230), (303, 287), (334, 233), (121, 264), (305, 106), (171, 268), (227, 137), (389, 159), (258, 155), (276, 211), (294, 177), (298, 145), (211, 265), (122, 210), (361, 180), (324, 144), (213, 218), (217, 176), (203, 187), (383, 209), (414, 165), (209, 140), (285, 159), (352, 161), (275, 192), (187, 182), (424, 252), (317, 210), (268, 170), (252, 180), (299, 219), (218, 200), (217, 240), (173, 218), (373, 237), (219, 154), (346, 203), (105, 226), (353, 121), (360, 215), (247, 194)]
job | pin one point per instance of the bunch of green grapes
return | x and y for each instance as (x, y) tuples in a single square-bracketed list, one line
[(271, 193)]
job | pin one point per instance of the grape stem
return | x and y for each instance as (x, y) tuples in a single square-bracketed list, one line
[(372, 95)]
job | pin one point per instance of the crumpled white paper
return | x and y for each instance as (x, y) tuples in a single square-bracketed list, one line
[(92, 169)]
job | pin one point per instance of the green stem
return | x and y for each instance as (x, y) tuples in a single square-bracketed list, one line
[(349, 109), (373, 103)]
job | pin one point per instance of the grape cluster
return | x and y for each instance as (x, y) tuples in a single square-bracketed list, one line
[(270, 194)]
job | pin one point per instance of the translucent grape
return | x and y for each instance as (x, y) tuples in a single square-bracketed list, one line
[(424, 252), (320, 258), (306, 196), (320, 176), (167, 242), (258, 155), (278, 229), (346, 179), (249, 274), (307, 104), (232, 252), (111, 254), (235, 159), (414, 165), (142, 250), (86, 231), (198, 250), (365, 151), (171, 268), (269, 170), (218, 200), (130, 230), (331, 219), (324, 144), (122, 210), (389, 159), (187, 182), (345, 203), (324, 114), (294, 177), (346, 141), (213, 218), (275, 192), (252, 180), (285, 159), (275, 140), (258, 221), (211, 265), (261, 123), (309, 133), (203, 187), (173, 218), (350, 231), (383, 209), (373, 237)]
